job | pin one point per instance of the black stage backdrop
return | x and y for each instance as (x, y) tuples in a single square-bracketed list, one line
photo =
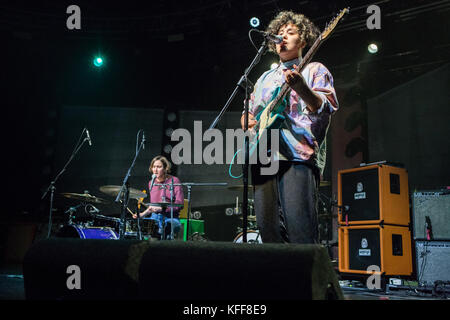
[(114, 136), (410, 124)]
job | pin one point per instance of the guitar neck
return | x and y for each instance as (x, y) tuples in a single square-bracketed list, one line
[(306, 59)]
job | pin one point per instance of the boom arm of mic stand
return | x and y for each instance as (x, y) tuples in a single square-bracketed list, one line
[(52, 187), (242, 84), (126, 197)]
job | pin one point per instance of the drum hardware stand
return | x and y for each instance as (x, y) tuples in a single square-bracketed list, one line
[(124, 192), (139, 233), (331, 203), (171, 210), (245, 85), (52, 187), (164, 207), (70, 211), (189, 186)]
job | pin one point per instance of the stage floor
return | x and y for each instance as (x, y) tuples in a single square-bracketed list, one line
[(12, 288)]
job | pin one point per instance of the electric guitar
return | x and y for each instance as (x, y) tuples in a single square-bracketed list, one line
[(271, 116)]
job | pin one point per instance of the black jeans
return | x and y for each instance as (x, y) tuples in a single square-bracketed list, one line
[(286, 203)]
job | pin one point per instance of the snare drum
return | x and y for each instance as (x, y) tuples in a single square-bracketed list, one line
[(78, 231), (252, 237)]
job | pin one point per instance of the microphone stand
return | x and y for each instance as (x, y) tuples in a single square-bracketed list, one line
[(171, 209), (245, 85), (52, 187), (125, 193)]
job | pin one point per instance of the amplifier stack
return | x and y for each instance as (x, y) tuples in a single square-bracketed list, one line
[(431, 219), (374, 220)]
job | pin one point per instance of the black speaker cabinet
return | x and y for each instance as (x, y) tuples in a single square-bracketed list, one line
[(432, 261), (373, 194), (178, 270), (433, 206)]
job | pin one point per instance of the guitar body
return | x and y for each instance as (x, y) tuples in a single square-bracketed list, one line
[(271, 117)]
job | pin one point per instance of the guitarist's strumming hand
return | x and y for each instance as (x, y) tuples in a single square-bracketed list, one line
[(296, 81), (251, 121)]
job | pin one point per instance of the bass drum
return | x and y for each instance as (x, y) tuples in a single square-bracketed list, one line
[(252, 237), (83, 232)]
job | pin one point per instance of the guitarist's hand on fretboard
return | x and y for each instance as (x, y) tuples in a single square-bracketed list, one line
[(297, 83), (251, 121)]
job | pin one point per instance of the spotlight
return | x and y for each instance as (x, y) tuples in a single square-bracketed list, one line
[(372, 48), (171, 117), (98, 61), (254, 22), (167, 148), (169, 132)]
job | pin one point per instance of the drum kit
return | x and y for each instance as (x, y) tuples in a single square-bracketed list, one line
[(84, 220)]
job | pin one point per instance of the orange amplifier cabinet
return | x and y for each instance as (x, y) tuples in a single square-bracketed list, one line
[(388, 248), (373, 194)]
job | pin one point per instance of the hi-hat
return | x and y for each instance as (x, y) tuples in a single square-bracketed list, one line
[(325, 183), (114, 191), (86, 197)]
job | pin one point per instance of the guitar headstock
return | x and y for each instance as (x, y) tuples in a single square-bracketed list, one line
[(330, 27)]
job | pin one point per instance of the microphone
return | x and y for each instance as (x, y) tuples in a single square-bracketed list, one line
[(270, 36), (143, 139), (153, 181), (88, 137)]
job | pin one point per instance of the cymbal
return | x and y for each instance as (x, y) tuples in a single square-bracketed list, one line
[(84, 197), (164, 204), (325, 183), (114, 191)]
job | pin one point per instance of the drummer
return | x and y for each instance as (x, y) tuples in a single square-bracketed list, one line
[(160, 167)]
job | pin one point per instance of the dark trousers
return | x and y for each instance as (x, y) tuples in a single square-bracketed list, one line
[(286, 203)]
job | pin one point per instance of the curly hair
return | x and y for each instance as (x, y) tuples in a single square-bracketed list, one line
[(307, 30)]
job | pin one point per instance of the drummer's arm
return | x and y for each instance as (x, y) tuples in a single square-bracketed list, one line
[(150, 210)]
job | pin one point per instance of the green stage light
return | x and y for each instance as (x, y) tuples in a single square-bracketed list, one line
[(98, 61)]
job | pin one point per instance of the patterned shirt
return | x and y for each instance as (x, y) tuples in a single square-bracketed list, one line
[(302, 133), (158, 194)]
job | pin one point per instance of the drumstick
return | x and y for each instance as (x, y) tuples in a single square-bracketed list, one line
[(131, 212)]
